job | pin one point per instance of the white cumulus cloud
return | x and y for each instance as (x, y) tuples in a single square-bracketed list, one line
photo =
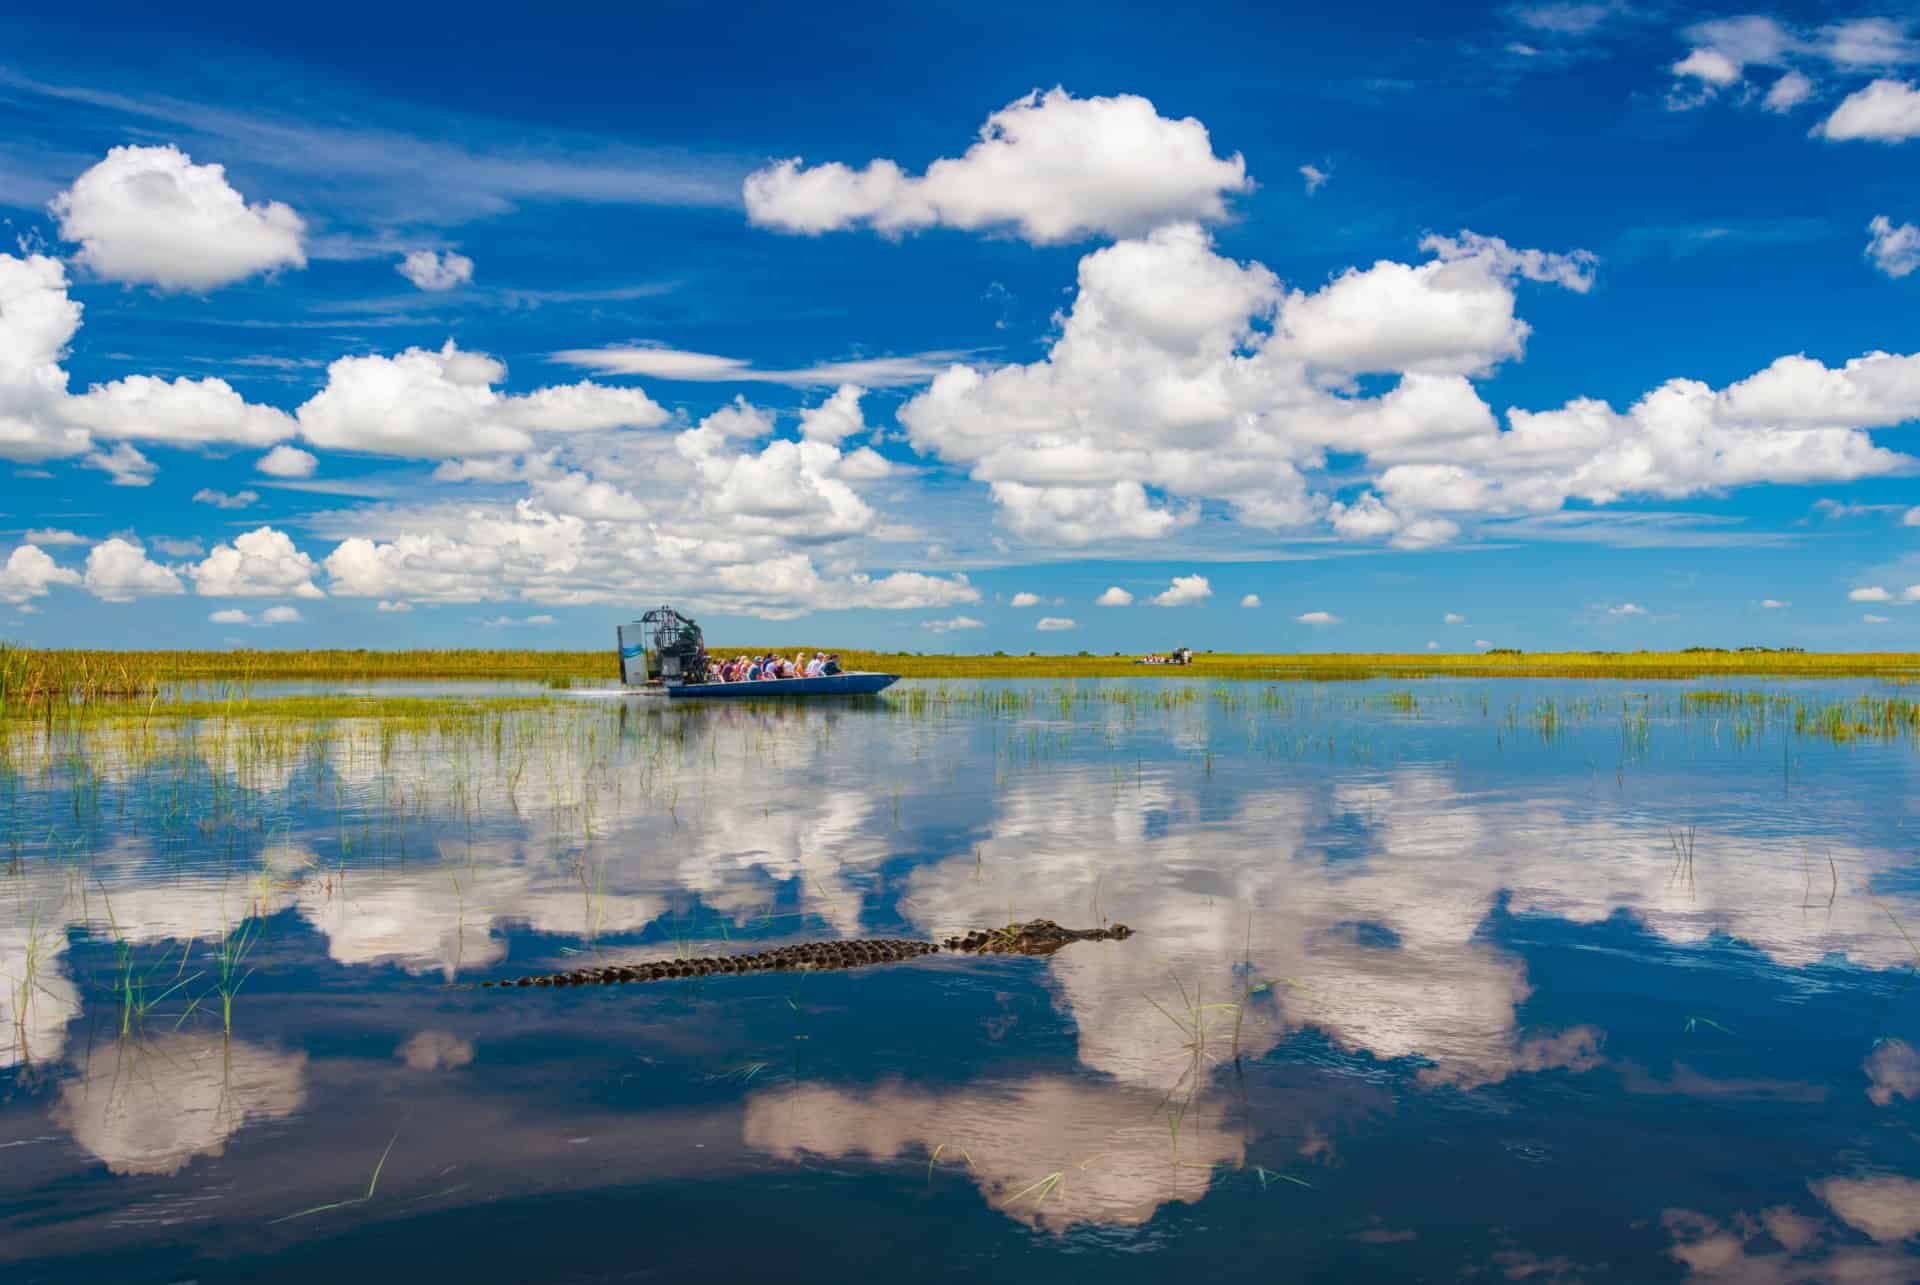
[(124, 464), (788, 489), (1251, 600), (1114, 596), (835, 419), (1886, 111), (271, 616), (1052, 624), (1710, 66), (37, 321), (223, 500), (1627, 609), (1787, 92), (424, 404), (40, 419), (28, 572), (179, 412), (1453, 618), (1050, 167), (1201, 378), (150, 216), (948, 626), (1724, 50), (1184, 591), (287, 461), (1317, 618), (1774, 604), (1870, 593), (119, 571), (1024, 599), (1894, 249), (431, 271), (492, 554), (262, 563)]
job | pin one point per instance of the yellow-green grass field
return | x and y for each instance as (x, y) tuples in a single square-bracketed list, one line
[(29, 675)]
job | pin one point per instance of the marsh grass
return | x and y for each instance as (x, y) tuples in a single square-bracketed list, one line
[(1269, 1175), (33, 678), (28, 989), (1192, 1016), (1900, 927), (135, 988), (1833, 872), (230, 955), (1039, 1190), (1681, 842), (422, 711), (373, 1185)]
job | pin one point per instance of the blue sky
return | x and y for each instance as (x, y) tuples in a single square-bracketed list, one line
[(1557, 325)]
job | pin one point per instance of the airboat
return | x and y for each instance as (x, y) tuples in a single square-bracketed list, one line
[(1179, 656), (665, 651)]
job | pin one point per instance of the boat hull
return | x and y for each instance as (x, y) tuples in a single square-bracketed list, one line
[(858, 684)]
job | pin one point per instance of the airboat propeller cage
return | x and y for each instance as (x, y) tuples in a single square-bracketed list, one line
[(662, 646)]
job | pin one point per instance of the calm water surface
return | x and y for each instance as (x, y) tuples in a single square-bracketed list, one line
[(1486, 980)]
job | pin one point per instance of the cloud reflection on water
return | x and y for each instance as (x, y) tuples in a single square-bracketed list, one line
[(1352, 900), (151, 1106)]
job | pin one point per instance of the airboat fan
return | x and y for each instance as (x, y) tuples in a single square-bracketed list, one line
[(662, 646)]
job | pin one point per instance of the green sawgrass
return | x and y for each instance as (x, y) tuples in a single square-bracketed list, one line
[(34, 676)]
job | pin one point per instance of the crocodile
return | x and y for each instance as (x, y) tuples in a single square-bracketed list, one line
[(1035, 937)]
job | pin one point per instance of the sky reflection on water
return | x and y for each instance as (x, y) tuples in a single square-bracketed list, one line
[(1414, 991)]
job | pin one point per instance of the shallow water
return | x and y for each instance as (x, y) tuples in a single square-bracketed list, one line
[(1426, 983)]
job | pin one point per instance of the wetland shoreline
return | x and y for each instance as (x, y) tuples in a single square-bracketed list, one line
[(27, 673)]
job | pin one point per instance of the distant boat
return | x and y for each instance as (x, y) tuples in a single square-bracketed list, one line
[(665, 651), (1180, 656)]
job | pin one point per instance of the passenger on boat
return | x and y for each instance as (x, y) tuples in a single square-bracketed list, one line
[(832, 665), (813, 666)]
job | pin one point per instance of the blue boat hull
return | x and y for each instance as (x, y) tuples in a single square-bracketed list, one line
[(781, 688)]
